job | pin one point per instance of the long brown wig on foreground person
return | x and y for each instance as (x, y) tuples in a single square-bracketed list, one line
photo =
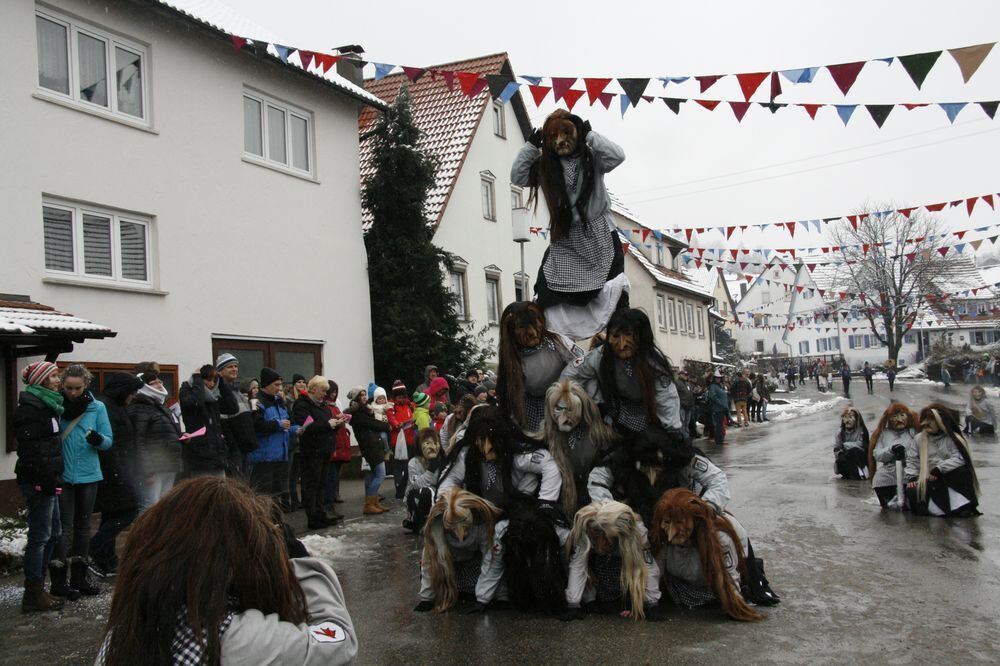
[(680, 515), (212, 546)]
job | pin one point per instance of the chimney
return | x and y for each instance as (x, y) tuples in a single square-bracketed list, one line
[(350, 65)]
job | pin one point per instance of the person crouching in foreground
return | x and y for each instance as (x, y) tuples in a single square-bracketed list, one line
[(422, 479), (891, 441), (210, 575), (941, 480), (850, 448)]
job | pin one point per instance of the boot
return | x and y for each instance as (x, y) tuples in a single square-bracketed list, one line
[(58, 587), (78, 579), (332, 517), (372, 507), (35, 599), (318, 522), (378, 503)]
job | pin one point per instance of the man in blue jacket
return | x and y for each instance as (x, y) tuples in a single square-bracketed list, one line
[(269, 463)]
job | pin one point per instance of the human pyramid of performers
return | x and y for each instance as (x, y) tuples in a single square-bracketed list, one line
[(579, 492)]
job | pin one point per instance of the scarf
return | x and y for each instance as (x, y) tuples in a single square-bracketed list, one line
[(76, 406), (211, 394), (159, 396), (52, 399)]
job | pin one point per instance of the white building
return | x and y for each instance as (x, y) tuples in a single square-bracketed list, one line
[(188, 196), (474, 141)]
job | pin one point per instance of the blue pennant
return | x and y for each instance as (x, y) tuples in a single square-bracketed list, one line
[(887, 61), (673, 79), (845, 111), (624, 103), (509, 92), (657, 235), (283, 52), (382, 70), (952, 109), (533, 80), (958, 248), (800, 75)]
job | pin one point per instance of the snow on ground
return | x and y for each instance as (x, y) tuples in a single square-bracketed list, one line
[(915, 371), (796, 407), (356, 540)]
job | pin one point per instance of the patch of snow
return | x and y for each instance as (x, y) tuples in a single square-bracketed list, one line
[(915, 371), (799, 407), (356, 540), (14, 545)]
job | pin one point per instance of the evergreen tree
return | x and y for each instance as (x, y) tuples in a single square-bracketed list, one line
[(414, 318)]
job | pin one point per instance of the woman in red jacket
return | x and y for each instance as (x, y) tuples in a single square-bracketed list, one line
[(402, 436), (341, 452)]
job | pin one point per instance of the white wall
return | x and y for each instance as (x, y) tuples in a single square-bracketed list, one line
[(242, 250)]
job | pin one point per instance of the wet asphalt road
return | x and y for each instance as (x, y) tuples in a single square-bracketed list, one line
[(858, 584)]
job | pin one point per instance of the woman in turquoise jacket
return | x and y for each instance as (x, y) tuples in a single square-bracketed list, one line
[(85, 430)]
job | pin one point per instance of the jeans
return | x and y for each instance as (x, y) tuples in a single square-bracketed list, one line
[(763, 410), (717, 423), (847, 387), (75, 506), (270, 478), (44, 531), (373, 479), (102, 545), (314, 471), (869, 384), (154, 487), (331, 489)]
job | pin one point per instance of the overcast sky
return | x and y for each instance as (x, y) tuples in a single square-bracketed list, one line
[(702, 168)]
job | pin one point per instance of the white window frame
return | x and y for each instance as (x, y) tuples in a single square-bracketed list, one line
[(499, 120), (78, 274), (672, 314), (701, 321), (488, 195), (73, 29), (690, 319), (493, 279), (460, 269), (516, 197), (661, 312), (290, 111), (659, 254)]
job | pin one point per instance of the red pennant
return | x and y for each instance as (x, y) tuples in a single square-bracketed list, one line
[(934, 208), (775, 86), (988, 198), (325, 62), (697, 263), (943, 251), (864, 248), (749, 83), (825, 250), (799, 288), (960, 234), (791, 228), (595, 87), (239, 42), (811, 268), (910, 107), (862, 217), (844, 329), (645, 235), (739, 109), (571, 96), (625, 246), (729, 232), (706, 82), (956, 202), (413, 73), (449, 78), (853, 219), (905, 212), (560, 85), (606, 98), (811, 109), (844, 75), (688, 232), (538, 93), (911, 257), (471, 82), (743, 265), (709, 104), (822, 292), (734, 253), (970, 204)]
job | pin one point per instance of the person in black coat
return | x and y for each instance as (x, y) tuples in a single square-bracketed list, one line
[(39, 470), (316, 442), (157, 440), (117, 493), (366, 429), (204, 399)]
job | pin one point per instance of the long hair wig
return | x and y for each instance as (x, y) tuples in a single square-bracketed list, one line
[(681, 507), (859, 423), (650, 364), (510, 367), (546, 174), (948, 423), (620, 524), (883, 423), (212, 546), (456, 511)]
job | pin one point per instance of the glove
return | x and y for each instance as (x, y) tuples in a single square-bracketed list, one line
[(536, 138), (898, 452), (94, 438), (571, 614), (423, 607), (474, 608), (294, 547), (655, 613)]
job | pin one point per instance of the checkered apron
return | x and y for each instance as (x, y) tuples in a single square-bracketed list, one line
[(608, 572), (685, 594)]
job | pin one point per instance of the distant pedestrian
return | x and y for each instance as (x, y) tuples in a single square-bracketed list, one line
[(868, 375), (802, 372), (742, 388), (366, 428), (236, 428), (317, 440), (341, 453), (273, 425), (157, 443), (402, 437), (430, 373), (945, 375), (845, 376), (204, 399), (718, 401), (890, 374)]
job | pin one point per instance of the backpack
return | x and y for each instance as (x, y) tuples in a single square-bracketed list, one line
[(757, 589)]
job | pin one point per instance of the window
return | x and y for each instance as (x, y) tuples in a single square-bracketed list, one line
[(489, 200), (456, 285), (981, 308), (659, 255), (493, 303), (909, 339), (822, 345), (759, 346), (835, 343), (671, 314), (288, 358), (90, 67), (103, 370), (276, 133), (499, 126), (91, 242), (516, 198), (701, 322), (690, 319), (803, 347), (661, 311), (765, 296)]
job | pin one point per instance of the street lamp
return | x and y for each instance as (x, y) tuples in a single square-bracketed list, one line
[(521, 235)]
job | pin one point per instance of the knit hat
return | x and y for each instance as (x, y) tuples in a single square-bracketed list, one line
[(298, 378), (421, 399), (371, 391), (490, 384), (717, 375), (36, 373), (398, 387), (268, 377), (480, 388), (471, 372), (353, 394), (379, 391), (223, 360)]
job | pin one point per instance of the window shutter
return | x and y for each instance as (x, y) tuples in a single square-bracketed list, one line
[(96, 245), (133, 248), (58, 227)]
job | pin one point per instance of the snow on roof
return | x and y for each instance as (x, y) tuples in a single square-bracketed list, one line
[(216, 14), (447, 120), (990, 274), (667, 277), (28, 318)]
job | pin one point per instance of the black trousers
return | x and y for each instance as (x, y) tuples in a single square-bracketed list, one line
[(885, 495), (313, 468), (102, 544)]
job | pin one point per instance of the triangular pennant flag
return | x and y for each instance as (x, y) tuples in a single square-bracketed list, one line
[(538, 93), (772, 106), (571, 97), (413, 73), (853, 219), (811, 109), (532, 80), (449, 79), (879, 112), (283, 52), (802, 75), (382, 70), (969, 58), (943, 251), (990, 108), (975, 244), (970, 203), (645, 235), (497, 83), (734, 253), (739, 109), (729, 232), (959, 247), (560, 85), (845, 111), (934, 208), (845, 74), (911, 106), (306, 58), (791, 228), (471, 82), (239, 42), (905, 212), (911, 257), (595, 87), (952, 109), (749, 83), (673, 79), (709, 104), (673, 103), (775, 86), (634, 88), (509, 92), (623, 102), (988, 198), (706, 82), (917, 65), (688, 231), (605, 99)]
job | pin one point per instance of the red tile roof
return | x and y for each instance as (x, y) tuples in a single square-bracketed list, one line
[(447, 120)]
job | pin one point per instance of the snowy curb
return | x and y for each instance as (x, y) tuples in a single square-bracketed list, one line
[(802, 407), (12, 548)]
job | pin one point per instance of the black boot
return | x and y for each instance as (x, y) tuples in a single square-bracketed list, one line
[(78, 579), (58, 586)]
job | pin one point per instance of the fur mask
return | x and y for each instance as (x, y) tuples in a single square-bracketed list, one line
[(430, 447), (898, 418), (623, 343), (848, 420), (978, 393), (560, 134)]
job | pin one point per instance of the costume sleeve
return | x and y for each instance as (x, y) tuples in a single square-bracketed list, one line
[(329, 638), (599, 484), (455, 476), (607, 153), (576, 583), (652, 594), (668, 404), (714, 486), (954, 459), (542, 463), (838, 443), (445, 434), (883, 448), (420, 476), (522, 164), (912, 469), (583, 371), (491, 572), (730, 557)]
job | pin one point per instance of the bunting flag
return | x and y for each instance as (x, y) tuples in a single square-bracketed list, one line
[(844, 75), (634, 89), (919, 65), (970, 58)]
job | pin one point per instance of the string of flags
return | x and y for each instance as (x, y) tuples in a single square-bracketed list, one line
[(503, 87)]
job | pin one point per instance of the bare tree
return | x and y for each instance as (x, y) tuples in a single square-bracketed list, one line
[(893, 264)]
